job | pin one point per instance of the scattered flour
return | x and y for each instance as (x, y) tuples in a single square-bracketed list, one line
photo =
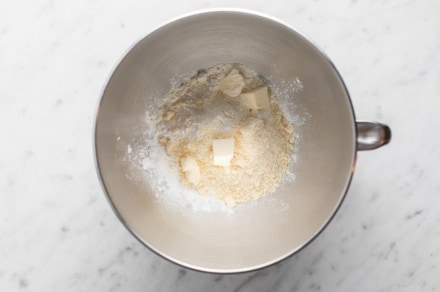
[(203, 109)]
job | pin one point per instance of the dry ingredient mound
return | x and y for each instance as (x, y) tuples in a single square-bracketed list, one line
[(209, 106)]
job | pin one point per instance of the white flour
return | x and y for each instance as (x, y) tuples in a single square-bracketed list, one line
[(191, 116)]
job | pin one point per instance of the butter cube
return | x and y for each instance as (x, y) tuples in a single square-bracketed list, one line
[(223, 150), (256, 99), (191, 169)]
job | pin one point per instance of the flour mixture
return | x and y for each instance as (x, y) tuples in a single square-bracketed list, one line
[(225, 134)]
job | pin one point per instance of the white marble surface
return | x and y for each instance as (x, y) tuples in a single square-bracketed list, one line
[(57, 231)]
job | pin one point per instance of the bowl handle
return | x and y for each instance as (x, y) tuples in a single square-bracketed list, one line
[(372, 135)]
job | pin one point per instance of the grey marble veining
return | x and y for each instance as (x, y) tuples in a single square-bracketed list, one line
[(57, 231)]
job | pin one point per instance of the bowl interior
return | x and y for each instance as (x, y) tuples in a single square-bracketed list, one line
[(263, 233)]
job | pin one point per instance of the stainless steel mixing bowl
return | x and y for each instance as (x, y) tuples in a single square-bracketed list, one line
[(263, 234)]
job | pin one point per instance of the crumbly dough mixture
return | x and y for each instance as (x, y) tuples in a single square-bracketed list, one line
[(210, 106)]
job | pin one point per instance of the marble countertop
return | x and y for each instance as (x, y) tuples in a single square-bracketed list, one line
[(57, 230)]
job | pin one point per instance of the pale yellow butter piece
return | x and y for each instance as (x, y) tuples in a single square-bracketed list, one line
[(256, 99), (191, 169), (223, 150)]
